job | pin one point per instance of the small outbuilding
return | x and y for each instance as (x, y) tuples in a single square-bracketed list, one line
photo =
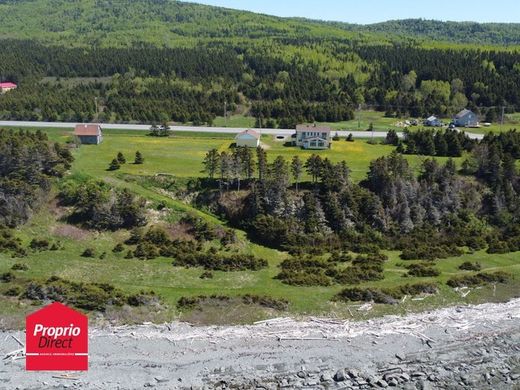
[(6, 87), (432, 121), (249, 138), (466, 118), (88, 134)]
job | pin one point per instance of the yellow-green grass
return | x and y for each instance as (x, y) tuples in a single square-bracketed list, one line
[(132, 275), (181, 155)]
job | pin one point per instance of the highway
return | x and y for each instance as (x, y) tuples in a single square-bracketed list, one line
[(193, 129)]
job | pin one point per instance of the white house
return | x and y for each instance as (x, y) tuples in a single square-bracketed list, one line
[(312, 137), (249, 138)]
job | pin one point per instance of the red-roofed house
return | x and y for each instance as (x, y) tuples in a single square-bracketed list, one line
[(6, 87), (89, 134), (249, 138)]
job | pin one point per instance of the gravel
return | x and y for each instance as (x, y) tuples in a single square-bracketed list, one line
[(473, 347)]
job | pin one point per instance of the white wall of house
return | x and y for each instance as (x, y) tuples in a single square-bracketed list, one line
[(247, 140)]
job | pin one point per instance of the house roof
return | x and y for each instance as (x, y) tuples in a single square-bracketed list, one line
[(87, 129), (307, 127), (250, 132), (7, 85), (432, 118), (463, 113)]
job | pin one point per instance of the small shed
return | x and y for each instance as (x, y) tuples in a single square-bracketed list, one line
[(466, 118), (249, 138), (6, 87), (89, 134), (433, 121)]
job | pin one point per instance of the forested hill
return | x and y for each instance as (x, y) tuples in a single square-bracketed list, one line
[(116, 23), (460, 32)]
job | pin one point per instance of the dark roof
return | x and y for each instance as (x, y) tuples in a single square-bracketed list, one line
[(463, 113), (322, 129), (87, 129), (249, 132)]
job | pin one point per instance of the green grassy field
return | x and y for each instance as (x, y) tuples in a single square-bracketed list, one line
[(181, 156)]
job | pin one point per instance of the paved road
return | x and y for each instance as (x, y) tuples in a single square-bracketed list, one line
[(226, 130)]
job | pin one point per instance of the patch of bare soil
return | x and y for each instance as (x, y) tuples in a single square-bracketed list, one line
[(180, 231), (71, 231)]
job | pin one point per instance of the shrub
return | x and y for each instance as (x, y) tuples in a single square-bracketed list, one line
[(7, 277), (265, 301), (146, 251), (20, 267), (89, 252), (121, 158), (13, 291), (206, 275), (129, 255), (422, 270), (39, 244), (216, 262), (103, 255), (142, 299), (350, 138), (424, 252), (469, 266), (138, 158), (480, 279), (118, 248), (307, 277), (388, 295), (114, 165)]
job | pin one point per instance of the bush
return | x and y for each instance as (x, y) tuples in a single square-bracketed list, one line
[(13, 291), (422, 270), (206, 275), (469, 266), (216, 262), (479, 279), (350, 138), (89, 252), (308, 277), (118, 248), (146, 251), (114, 165), (265, 301), (7, 277), (39, 244), (386, 296), (20, 267), (423, 252), (87, 296)]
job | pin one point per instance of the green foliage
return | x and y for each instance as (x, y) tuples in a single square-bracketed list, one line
[(20, 267), (479, 279), (98, 206), (87, 296), (469, 266), (385, 296), (114, 165), (139, 159), (422, 270)]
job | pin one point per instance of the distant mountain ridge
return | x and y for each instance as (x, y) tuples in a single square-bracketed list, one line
[(174, 23)]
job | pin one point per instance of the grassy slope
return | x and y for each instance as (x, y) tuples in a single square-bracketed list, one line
[(181, 156)]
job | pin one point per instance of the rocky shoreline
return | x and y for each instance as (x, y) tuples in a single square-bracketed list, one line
[(474, 347)]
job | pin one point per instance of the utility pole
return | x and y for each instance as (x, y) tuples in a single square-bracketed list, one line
[(97, 111), (502, 118), (225, 113)]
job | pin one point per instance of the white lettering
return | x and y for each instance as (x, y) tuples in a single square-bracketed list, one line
[(57, 331)]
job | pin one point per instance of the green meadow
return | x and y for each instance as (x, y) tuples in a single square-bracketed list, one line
[(180, 156)]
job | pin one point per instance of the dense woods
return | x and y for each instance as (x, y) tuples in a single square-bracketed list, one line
[(280, 83), (28, 163)]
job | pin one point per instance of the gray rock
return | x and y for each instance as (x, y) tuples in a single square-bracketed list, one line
[(326, 377), (353, 373), (301, 374), (382, 383), (393, 382), (340, 376), (405, 377), (418, 374), (514, 376), (399, 356)]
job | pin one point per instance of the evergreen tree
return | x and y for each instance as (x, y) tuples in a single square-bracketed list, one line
[(261, 162), (114, 165), (211, 163), (314, 166), (296, 170), (121, 158), (139, 159)]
